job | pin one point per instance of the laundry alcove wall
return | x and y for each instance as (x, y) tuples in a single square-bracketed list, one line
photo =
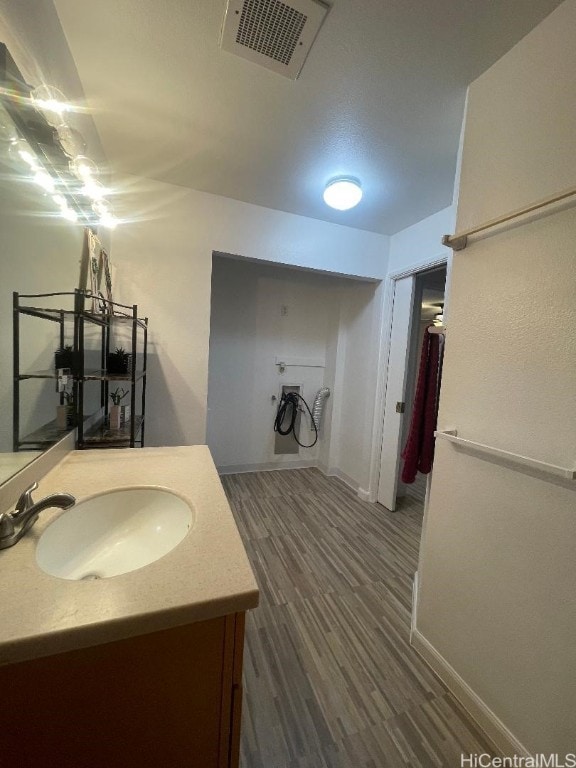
[(261, 313)]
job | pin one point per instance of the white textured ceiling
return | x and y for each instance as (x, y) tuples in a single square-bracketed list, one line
[(380, 97)]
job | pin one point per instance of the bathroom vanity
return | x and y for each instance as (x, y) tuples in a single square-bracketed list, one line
[(140, 669)]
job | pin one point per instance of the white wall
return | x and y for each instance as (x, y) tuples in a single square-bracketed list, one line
[(422, 241), (531, 130), (356, 383), (164, 262), (497, 577), (259, 313)]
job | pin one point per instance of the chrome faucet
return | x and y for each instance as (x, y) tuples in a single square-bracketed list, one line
[(13, 525)]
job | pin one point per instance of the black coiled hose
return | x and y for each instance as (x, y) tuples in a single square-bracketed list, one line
[(289, 407)]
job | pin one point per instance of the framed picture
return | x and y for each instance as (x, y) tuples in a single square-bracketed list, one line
[(95, 270), (91, 267), (96, 273), (85, 261), (107, 269)]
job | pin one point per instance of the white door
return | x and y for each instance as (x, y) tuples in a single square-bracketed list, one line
[(395, 391)]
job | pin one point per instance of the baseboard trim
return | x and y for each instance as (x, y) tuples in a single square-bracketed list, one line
[(239, 469), (414, 606), (346, 479), (491, 725)]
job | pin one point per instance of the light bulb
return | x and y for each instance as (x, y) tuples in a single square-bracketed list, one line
[(51, 102), (83, 167)]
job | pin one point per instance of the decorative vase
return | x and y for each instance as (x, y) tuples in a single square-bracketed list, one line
[(124, 415), (114, 417), (65, 416)]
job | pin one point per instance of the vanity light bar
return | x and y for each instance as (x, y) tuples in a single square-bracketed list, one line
[(39, 147)]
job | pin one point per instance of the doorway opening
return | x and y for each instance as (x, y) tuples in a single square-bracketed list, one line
[(277, 330), (418, 301)]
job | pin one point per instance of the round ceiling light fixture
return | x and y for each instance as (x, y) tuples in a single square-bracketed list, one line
[(343, 193)]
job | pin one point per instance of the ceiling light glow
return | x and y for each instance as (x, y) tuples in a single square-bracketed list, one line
[(69, 214), (109, 221), (51, 101), (45, 181), (343, 193), (94, 189), (29, 158), (51, 105), (84, 168), (105, 214)]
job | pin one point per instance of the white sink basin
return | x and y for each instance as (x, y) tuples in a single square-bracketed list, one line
[(114, 532)]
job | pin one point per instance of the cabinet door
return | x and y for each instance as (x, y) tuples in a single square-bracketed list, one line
[(153, 700)]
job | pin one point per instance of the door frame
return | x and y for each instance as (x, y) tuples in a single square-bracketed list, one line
[(445, 259), (399, 361)]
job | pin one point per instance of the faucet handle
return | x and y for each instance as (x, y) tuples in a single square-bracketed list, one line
[(6, 525), (25, 501)]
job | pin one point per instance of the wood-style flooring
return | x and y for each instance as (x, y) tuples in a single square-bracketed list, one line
[(330, 678)]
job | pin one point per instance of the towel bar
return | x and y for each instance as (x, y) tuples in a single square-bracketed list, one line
[(451, 435)]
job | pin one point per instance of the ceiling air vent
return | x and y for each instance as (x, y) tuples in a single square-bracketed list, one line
[(271, 33)]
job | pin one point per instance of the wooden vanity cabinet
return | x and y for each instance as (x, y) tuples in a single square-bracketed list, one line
[(169, 699)]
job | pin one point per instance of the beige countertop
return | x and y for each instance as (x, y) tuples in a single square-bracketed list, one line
[(205, 576)]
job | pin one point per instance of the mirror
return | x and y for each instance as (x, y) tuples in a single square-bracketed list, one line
[(39, 253)]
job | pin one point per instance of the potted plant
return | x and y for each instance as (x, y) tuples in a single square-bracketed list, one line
[(66, 413), (118, 362), (66, 358), (116, 416)]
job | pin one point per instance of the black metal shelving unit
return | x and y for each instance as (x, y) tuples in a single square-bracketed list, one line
[(93, 429)]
